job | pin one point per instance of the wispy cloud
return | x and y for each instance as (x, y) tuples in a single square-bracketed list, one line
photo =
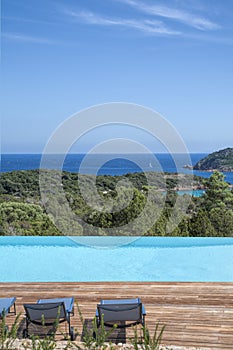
[(26, 20), (188, 18), (25, 38), (148, 26)]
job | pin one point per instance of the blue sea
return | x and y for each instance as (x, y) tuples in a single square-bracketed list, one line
[(115, 164)]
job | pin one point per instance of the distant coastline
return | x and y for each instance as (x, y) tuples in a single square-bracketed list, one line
[(223, 170), (117, 166)]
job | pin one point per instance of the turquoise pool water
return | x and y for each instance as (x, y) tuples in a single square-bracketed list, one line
[(35, 259), (194, 193)]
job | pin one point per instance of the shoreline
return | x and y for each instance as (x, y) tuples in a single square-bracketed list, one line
[(215, 170)]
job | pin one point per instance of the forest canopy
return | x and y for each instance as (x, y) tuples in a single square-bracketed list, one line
[(22, 211)]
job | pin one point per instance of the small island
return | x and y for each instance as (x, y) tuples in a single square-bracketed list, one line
[(188, 166), (218, 161)]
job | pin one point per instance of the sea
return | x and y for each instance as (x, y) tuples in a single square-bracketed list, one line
[(110, 164)]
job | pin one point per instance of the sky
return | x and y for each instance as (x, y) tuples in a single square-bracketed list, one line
[(62, 56)]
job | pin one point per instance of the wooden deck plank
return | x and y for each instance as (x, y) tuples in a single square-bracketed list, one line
[(195, 314)]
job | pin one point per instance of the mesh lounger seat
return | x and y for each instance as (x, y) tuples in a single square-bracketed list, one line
[(122, 312), (5, 306), (46, 312)]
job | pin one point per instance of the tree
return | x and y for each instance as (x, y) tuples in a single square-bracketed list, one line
[(222, 221), (200, 225), (25, 219), (217, 193)]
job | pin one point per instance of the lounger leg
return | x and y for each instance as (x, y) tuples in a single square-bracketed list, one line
[(14, 308), (68, 319), (71, 329), (25, 331)]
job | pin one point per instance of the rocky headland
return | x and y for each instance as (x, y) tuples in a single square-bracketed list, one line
[(217, 161)]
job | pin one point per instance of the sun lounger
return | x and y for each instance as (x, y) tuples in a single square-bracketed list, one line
[(48, 312), (6, 305), (122, 312), (69, 303)]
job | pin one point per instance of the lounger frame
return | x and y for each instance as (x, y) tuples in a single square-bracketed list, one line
[(122, 313), (46, 314)]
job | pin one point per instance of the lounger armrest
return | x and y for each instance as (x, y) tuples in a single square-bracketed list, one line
[(120, 301), (143, 310), (6, 304)]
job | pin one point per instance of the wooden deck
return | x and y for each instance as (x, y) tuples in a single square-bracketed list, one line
[(195, 314)]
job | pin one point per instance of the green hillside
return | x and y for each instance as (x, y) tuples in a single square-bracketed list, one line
[(22, 211), (220, 161)]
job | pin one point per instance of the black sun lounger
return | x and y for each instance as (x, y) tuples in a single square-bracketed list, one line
[(122, 312), (48, 312)]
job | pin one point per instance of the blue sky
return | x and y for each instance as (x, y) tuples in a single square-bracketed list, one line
[(174, 56)]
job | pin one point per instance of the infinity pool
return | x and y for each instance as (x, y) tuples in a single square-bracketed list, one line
[(57, 259)]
